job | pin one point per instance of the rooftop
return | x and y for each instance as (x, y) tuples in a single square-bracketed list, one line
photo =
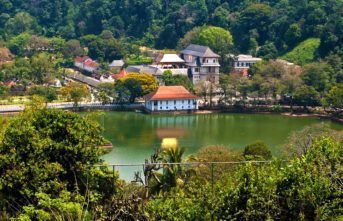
[(170, 93), (121, 74), (200, 51), (169, 58), (244, 57), (117, 63), (81, 59)]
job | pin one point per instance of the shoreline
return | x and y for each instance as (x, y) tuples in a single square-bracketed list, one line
[(204, 111)]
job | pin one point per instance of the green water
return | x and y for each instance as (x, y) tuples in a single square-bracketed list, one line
[(135, 136)]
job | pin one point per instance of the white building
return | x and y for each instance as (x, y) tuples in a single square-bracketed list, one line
[(203, 63), (243, 61), (171, 98), (162, 63)]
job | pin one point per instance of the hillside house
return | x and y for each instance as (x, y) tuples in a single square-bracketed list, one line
[(116, 64), (121, 74), (162, 63), (86, 63), (202, 62), (171, 98), (242, 62)]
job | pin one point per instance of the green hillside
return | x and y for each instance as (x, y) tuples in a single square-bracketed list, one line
[(304, 53)]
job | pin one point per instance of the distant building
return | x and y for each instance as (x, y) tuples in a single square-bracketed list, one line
[(10, 83), (116, 64), (170, 98), (121, 74), (169, 62), (86, 63), (202, 62), (243, 62), (162, 63)]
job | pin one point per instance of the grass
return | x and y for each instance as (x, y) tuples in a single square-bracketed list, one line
[(303, 53), (138, 60)]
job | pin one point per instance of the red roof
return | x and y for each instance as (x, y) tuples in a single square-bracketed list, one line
[(121, 74), (81, 59), (10, 83), (170, 93), (91, 63)]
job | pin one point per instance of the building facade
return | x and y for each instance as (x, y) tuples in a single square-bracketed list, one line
[(171, 98), (242, 61), (202, 62), (86, 63)]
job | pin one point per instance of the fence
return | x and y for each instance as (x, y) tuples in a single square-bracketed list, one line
[(91, 105), (209, 171)]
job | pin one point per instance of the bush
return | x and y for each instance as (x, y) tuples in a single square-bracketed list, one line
[(257, 151)]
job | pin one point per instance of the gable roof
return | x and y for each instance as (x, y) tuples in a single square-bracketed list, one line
[(117, 63), (170, 93), (81, 59), (169, 58), (121, 74), (200, 51), (91, 63)]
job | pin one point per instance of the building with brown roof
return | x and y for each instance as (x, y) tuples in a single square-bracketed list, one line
[(171, 98)]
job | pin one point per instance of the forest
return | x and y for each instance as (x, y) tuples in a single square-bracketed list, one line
[(264, 25)]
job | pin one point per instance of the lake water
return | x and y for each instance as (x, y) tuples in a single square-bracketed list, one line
[(135, 136)]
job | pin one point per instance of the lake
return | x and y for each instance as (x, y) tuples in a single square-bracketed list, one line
[(135, 136)]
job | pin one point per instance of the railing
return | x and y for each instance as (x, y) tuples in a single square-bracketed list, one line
[(18, 108), (212, 171)]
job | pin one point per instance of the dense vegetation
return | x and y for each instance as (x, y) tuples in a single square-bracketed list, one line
[(304, 53), (267, 25), (52, 158)]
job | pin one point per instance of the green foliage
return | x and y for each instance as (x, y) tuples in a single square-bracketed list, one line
[(318, 75), (47, 165), (304, 53), (48, 93), (170, 80), (161, 24), (306, 96), (138, 60), (335, 96), (76, 92), (257, 151), (306, 188), (134, 85)]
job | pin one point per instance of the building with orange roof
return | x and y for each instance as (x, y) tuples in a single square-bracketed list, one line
[(171, 98), (121, 74), (86, 63)]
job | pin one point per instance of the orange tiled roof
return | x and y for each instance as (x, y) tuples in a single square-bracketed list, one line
[(91, 63), (81, 59), (170, 93), (121, 74)]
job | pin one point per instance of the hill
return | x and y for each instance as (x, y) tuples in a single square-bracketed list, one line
[(304, 53)]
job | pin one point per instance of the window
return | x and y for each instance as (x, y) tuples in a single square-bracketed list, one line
[(155, 103), (166, 102), (161, 102), (196, 70), (183, 101), (174, 102), (189, 101), (161, 108)]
